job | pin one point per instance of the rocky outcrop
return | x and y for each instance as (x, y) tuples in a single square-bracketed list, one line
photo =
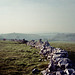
[(59, 64)]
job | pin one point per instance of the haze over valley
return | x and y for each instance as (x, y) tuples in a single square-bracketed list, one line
[(45, 36)]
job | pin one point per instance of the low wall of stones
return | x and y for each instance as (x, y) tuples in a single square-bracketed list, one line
[(59, 63)]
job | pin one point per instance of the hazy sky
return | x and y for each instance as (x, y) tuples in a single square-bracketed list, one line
[(37, 16)]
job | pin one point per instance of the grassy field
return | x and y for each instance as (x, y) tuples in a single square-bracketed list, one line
[(19, 59)]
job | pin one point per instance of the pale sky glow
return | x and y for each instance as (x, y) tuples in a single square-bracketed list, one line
[(37, 16)]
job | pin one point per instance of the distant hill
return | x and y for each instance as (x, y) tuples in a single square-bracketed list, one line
[(64, 37), (44, 36), (19, 36)]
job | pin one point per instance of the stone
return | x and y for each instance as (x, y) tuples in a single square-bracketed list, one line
[(56, 60), (63, 62), (59, 62), (45, 60), (48, 70), (56, 56), (43, 72), (60, 55), (73, 73), (46, 44), (63, 54), (34, 71), (40, 60), (59, 73), (69, 71), (68, 65), (51, 66), (24, 41), (49, 57)]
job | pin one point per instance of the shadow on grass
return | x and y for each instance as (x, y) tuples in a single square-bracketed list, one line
[(71, 56)]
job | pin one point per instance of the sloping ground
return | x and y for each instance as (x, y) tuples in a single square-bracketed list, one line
[(19, 59)]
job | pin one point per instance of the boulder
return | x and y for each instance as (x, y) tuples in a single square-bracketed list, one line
[(46, 44), (60, 55), (60, 72), (64, 62), (69, 71), (44, 72), (57, 56)]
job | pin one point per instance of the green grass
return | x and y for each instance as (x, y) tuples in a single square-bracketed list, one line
[(19, 59), (68, 46)]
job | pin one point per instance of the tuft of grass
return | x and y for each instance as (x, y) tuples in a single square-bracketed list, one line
[(19, 59)]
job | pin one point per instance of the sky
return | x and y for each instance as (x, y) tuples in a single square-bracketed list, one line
[(37, 16)]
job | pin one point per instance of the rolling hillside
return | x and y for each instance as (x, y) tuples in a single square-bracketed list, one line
[(20, 36), (44, 36)]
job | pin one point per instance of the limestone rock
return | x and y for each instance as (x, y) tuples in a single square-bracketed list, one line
[(34, 71), (69, 71)]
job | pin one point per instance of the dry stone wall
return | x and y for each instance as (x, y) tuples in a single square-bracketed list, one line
[(59, 63)]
